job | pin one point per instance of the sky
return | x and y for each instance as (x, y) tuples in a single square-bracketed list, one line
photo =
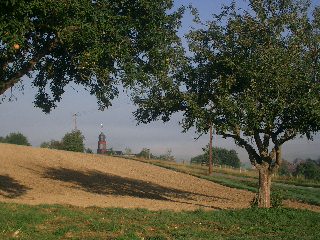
[(119, 125)]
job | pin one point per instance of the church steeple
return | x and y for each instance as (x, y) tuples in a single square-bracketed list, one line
[(102, 143)]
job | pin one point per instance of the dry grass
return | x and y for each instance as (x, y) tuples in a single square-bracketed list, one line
[(45, 176)]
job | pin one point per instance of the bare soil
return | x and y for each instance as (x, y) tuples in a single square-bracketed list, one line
[(43, 176)]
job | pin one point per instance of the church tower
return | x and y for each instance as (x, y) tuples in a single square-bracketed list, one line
[(102, 143)]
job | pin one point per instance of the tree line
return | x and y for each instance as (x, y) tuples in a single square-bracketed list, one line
[(309, 169), (147, 154), (221, 156), (15, 138), (72, 141)]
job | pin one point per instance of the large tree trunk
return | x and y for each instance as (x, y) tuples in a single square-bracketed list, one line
[(264, 187), (210, 153)]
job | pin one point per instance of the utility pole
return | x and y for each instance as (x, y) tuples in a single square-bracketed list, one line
[(75, 121), (210, 151)]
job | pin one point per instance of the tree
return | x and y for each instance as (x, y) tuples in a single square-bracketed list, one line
[(167, 156), (127, 151), (286, 168), (310, 169), (88, 150), (96, 44), (254, 75), (145, 153), (221, 156), (53, 144), (16, 138), (73, 141)]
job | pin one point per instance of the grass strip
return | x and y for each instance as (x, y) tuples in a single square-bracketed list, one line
[(67, 222)]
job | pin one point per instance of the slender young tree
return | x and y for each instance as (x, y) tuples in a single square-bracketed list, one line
[(253, 74), (97, 44)]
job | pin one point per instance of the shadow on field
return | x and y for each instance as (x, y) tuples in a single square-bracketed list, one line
[(108, 184), (11, 188)]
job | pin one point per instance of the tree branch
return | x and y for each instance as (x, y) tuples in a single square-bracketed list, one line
[(289, 135), (266, 140), (258, 142), (26, 67), (253, 156)]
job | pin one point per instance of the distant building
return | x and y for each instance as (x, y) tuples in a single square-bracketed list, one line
[(118, 153), (102, 144)]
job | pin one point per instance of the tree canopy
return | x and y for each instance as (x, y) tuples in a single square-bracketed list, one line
[(254, 75), (73, 141), (15, 138), (310, 169), (96, 44), (53, 144)]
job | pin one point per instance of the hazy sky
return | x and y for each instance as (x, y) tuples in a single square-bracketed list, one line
[(119, 125)]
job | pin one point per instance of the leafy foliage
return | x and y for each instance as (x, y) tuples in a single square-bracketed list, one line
[(16, 138), (145, 153), (277, 198), (310, 169), (221, 156), (88, 150), (53, 144), (96, 44), (73, 141), (286, 168)]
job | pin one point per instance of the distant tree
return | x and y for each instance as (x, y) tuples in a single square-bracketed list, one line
[(145, 153), (286, 168), (16, 138), (1, 139), (310, 169), (221, 156), (127, 151), (200, 159), (73, 141), (88, 150), (167, 156), (110, 152), (45, 145), (53, 144)]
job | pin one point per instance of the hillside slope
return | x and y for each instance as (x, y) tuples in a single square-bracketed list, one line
[(44, 176)]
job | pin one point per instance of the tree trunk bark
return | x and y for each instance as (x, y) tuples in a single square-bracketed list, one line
[(264, 187), (210, 152)]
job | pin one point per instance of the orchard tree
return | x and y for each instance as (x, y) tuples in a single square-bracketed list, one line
[(97, 44), (254, 75)]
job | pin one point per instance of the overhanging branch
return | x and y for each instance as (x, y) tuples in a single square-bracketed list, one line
[(253, 156), (26, 67)]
